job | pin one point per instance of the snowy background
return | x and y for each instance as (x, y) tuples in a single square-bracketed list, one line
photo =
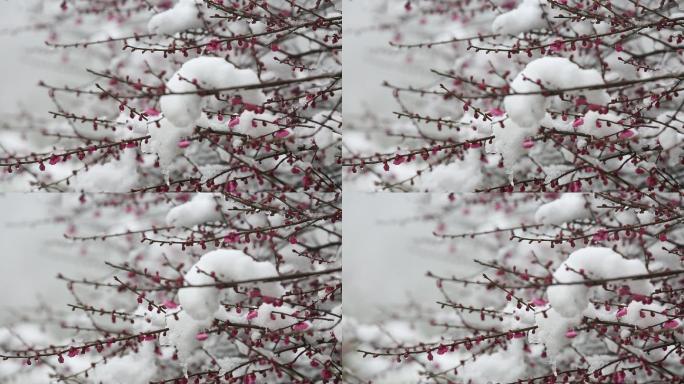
[(24, 62), (32, 254), (387, 251), (368, 60)]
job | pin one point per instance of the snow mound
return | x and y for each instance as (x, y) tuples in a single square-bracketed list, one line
[(526, 17), (509, 142), (133, 368), (551, 330), (553, 73), (227, 265), (597, 263), (182, 334), (206, 73), (183, 16), (200, 209), (569, 207)]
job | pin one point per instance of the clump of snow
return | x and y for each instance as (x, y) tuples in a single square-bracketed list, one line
[(186, 14), (182, 334), (227, 265), (553, 73), (551, 330), (164, 142), (569, 207), (508, 141), (596, 262), (205, 73), (526, 17), (200, 209)]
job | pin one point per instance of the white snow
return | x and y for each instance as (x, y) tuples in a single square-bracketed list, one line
[(183, 16), (508, 141), (526, 17), (499, 367), (646, 318), (554, 73), (454, 177), (227, 265), (208, 73), (182, 334), (113, 176), (596, 124), (598, 263), (569, 207), (551, 331), (202, 208), (164, 142)]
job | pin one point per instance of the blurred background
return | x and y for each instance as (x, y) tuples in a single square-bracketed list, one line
[(387, 250), (34, 251), (26, 60), (368, 59)]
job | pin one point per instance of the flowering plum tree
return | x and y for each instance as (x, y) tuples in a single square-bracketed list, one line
[(186, 95), (554, 288), (191, 288), (535, 95)]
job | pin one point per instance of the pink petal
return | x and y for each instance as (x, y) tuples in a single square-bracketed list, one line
[(233, 122), (300, 326), (496, 112), (626, 134), (672, 324), (231, 186), (252, 315), (283, 133), (539, 302), (170, 304), (151, 112), (183, 144), (622, 312), (528, 143), (201, 336), (601, 234), (578, 121), (570, 334)]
